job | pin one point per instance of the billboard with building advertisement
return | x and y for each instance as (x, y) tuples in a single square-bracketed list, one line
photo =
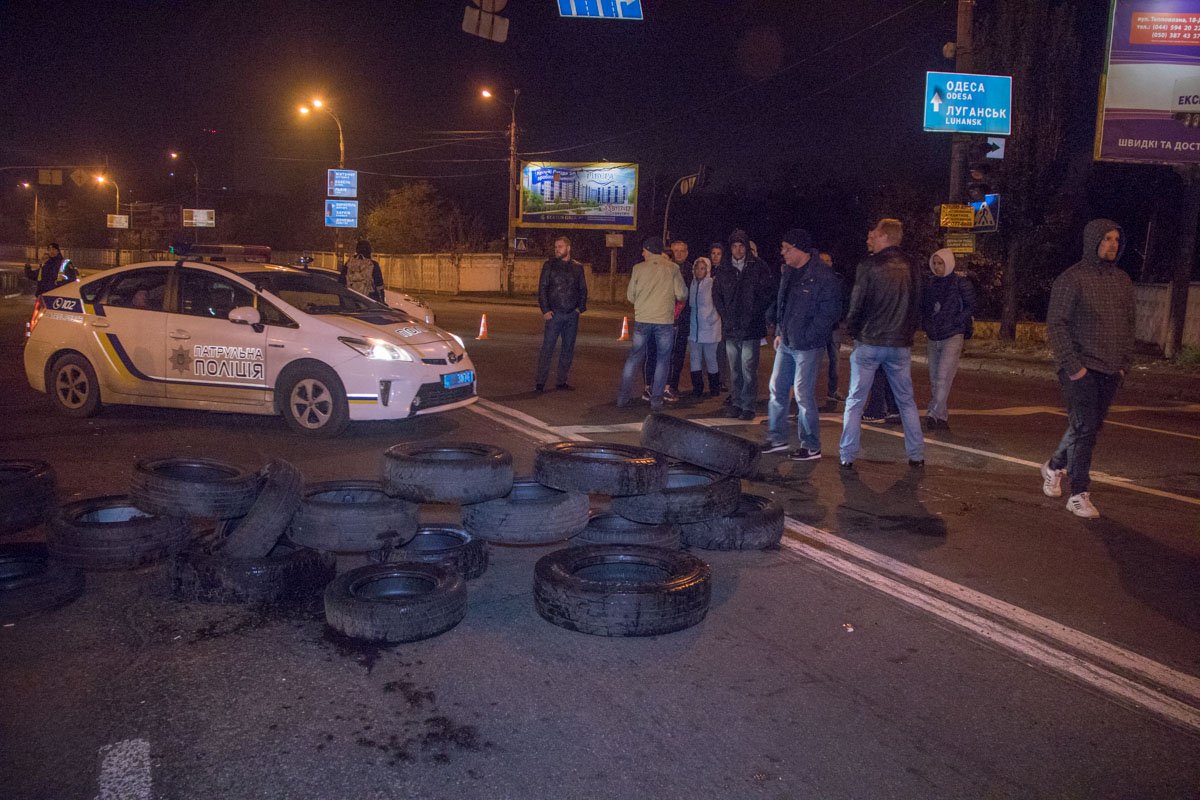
[(599, 195), (1150, 95)]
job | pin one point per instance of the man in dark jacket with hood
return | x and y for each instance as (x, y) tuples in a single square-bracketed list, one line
[(885, 310), (743, 289), (562, 296), (1090, 324), (805, 310)]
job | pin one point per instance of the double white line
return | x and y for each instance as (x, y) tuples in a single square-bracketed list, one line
[(1126, 677)]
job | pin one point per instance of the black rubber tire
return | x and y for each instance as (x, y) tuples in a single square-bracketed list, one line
[(72, 386), (757, 524), (530, 514), (111, 533), (257, 533), (447, 473), (30, 582), (396, 602), (323, 411), (600, 467), (448, 545), (697, 444), (27, 493), (288, 575), (692, 494), (612, 528), (352, 517), (193, 487), (622, 590)]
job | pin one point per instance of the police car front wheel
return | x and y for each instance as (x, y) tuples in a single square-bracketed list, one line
[(74, 387), (313, 401)]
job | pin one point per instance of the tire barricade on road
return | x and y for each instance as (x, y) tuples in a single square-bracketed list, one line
[(265, 537)]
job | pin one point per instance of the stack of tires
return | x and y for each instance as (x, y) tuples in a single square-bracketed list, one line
[(31, 580), (627, 575)]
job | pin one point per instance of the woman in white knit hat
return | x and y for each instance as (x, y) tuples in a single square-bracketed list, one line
[(947, 306)]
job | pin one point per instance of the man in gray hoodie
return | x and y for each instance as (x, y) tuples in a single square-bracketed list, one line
[(1090, 324)]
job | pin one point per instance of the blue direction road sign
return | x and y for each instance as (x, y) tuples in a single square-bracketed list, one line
[(342, 183), (601, 9), (957, 102), (341, 213)]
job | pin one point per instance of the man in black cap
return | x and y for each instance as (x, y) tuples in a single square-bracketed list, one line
[(743, 290), (806, 308), (654, 288)]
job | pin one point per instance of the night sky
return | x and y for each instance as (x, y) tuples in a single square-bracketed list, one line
[(124, 82)]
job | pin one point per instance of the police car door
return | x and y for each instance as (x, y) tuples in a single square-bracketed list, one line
[(128, 325), (209, 358)]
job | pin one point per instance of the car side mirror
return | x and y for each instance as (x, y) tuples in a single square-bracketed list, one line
[(245, 315)]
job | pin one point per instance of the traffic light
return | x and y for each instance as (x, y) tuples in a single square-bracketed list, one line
[(982, 175)]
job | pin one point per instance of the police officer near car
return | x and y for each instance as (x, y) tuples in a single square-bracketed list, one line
[(46, 276), (562, 297)]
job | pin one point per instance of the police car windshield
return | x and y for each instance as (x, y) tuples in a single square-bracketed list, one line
[(311, 293)]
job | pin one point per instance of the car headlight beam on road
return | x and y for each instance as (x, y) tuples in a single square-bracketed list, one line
[(376, 349)]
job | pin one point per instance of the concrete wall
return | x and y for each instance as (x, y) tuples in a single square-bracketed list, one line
[(1153, 304)]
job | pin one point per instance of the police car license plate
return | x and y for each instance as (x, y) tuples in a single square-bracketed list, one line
[(464, 378)]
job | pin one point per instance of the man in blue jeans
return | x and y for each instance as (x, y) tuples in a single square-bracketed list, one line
[(562, 297), (655, 286), (743, 289), (806, 308), (885, 310)]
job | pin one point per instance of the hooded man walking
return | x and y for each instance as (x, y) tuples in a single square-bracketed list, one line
[(1090, 326), (743, 291), (807, 306), (362, 273), (562, 296), (654, 288), (947, 305), (885, 309)]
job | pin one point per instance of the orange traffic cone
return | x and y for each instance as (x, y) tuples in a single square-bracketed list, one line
[(624, 337), (482, 328)]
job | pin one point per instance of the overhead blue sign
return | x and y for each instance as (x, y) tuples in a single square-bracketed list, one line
[(957, 102), (342, 183), (601, 9), (341, 213)]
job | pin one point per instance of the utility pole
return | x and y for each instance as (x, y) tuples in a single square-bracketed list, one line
[(514, 186), (964, 61)]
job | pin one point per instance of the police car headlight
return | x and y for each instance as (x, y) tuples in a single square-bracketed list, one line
[(376, 349), (458, 339)]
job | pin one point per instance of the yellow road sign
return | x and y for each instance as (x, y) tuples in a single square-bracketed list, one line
[(961, 243), (957, 216)]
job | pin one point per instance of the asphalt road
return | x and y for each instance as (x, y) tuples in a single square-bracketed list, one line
[(945, 633)]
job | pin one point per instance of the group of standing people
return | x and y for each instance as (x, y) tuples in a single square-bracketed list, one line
[(733, 297)]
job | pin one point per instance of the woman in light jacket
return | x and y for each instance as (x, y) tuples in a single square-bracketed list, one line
[(704, 332)]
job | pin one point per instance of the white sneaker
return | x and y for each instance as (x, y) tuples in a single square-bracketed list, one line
[(1081, 506), (1052, 480)]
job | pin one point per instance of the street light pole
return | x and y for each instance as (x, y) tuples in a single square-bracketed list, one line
[(320, 106), (102, 179), (513, 189), (196, 175), (28, 185)]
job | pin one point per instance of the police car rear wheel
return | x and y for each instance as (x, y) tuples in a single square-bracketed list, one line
[(315, 402), (74, 386)]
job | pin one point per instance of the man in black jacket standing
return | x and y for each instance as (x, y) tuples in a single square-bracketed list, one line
[(743, 290), (46, 276), (885, 310), (562, 296)]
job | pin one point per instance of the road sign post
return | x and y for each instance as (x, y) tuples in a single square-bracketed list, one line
[(342, 183)]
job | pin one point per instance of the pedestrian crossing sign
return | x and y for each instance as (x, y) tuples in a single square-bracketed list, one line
[(987, 214)]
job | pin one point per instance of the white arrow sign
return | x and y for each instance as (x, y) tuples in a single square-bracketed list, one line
[(936, 102)]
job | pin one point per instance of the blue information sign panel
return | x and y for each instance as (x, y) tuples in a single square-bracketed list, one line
[(342, 183), (341, 213), (957, 102), (601, 9)]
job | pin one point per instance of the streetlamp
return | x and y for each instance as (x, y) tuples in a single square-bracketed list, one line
[(319, 105), (175, 156), (30, 186), (102, 179), (513, 182)]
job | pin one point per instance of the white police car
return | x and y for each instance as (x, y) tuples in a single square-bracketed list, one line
[(240, 336)]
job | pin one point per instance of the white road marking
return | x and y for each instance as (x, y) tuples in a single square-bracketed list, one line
[(1139, 427), (1027, 647), (125, 771), (1098, 649), (536, 432)]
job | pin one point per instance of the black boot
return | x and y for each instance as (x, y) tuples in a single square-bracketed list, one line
[(714, 384), (697, 383)]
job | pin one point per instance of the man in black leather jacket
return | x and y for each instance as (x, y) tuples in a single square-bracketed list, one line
[(885, 311), (562, 296), (743, 289)]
